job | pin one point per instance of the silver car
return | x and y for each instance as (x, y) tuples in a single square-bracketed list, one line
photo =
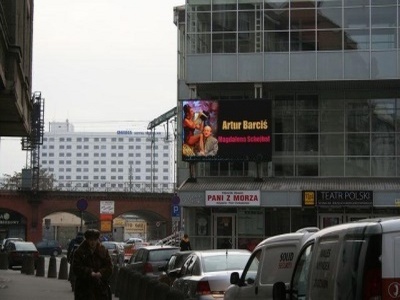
[(206, 274), (116, 251)]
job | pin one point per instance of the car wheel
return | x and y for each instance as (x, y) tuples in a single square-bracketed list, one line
[(55, 253)]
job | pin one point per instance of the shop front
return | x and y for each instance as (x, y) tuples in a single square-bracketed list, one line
[(12, 224), (229, 218)]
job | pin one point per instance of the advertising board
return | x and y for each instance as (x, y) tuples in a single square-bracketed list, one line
[(234, 130)]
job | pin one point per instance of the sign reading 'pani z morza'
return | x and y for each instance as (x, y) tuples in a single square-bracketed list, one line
[(233, 198)]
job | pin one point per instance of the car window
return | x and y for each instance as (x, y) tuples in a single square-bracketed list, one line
[(251, 268), (195, 267), (25, 247), (222, 263), (163, 254), (171, 263), (109, 245), (300, 277), (186, 264), (139, 255), (41, 244)]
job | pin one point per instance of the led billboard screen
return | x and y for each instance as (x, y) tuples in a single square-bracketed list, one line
[(226, 130)]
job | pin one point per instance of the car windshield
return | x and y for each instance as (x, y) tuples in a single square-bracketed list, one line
[(163, 254), (223, 263), (109, 245), (25, 247)]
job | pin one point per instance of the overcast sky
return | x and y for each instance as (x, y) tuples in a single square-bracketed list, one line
[(101, 63)]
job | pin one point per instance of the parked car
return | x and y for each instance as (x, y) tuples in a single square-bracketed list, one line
[(116, 251), (173, 267), (131, 245), (205, 274), (7, 240), (148, 259), (16, 251), (49, 247), (133, 241)]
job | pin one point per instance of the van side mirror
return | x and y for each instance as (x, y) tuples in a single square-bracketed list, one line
[(279, 291), (234, 278)]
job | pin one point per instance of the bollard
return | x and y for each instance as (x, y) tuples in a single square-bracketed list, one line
[(63, 272), (40, 267), (175, 295), (23, 265), (3, 261), (121, 280), (52, 271), (134, 288), (151, 285), (30, 265), (160, 291), (113, 279), (144, 280)]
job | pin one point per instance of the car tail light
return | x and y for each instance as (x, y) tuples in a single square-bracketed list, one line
[(203, 288), (373, 285), (148, 268)]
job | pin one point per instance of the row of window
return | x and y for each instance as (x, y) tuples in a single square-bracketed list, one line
[(105, 170), (86, 154), (103, 162), (103, 147), (119, 186), (103, 177), (86, 139), (280, 30), (205, 5), (112, 170)]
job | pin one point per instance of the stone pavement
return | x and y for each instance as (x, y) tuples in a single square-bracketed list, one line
[(15, 286)]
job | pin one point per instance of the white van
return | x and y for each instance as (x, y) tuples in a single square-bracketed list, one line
[(357, 261), (272, 260)]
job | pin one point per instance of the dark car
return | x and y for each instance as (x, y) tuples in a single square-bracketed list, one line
[(173, 266), (16, 250), (49, 247), (147, 260)]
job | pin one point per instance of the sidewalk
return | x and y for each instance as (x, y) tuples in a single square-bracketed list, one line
[(14, 285)]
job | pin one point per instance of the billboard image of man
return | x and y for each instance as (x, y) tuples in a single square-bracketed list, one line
[(210, 147)]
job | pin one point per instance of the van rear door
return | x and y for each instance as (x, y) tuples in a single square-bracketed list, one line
[(391, 266)]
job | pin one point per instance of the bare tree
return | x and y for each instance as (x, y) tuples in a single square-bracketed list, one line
[(14, 182)]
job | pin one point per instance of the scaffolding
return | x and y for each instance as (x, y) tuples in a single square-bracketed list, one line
[(32, 143)]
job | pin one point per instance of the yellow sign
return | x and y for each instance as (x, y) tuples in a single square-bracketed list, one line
[(105, 226), (119, 222), (135, 227), (308, 198)]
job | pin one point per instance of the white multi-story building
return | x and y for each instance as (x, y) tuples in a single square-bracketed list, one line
[(123, 160)]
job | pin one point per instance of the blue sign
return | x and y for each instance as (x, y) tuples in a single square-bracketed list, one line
[(82, 204), (176, 211), (175, 199)]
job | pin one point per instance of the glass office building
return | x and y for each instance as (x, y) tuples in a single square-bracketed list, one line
[(331, 70)]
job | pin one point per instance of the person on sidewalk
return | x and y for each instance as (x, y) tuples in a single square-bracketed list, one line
[(73, 245), (185, 243), (93, 269)]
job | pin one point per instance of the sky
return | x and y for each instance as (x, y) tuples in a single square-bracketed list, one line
[(101, 64)]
